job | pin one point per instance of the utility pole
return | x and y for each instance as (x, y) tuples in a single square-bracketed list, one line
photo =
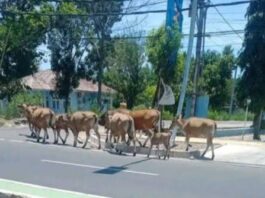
[(188, 58), (233, 92), (187, 64), (174, 13), (201, 24)]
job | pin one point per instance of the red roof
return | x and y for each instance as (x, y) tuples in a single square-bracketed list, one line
[(45, 80)]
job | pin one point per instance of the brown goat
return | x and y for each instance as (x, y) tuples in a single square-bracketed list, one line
[(197, 127), (161, 138), (84, 121)]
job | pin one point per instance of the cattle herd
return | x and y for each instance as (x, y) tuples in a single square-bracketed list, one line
[(121, 125)]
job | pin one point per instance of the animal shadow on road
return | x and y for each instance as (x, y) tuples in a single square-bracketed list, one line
[(111, 170), (27, 136)]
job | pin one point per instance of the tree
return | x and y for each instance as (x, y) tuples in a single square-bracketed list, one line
[(102, 29), (67, 49), (252, 61), (126, 72), (20, 36), (162, 44), (217, 75)]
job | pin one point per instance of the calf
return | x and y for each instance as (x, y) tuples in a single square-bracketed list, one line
[(197, 127), (161, 138)]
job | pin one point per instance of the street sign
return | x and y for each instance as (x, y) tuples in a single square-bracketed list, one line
[(168, 97)]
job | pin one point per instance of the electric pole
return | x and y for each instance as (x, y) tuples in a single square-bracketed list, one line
[(233, 92), (188, 58), (201, 27)]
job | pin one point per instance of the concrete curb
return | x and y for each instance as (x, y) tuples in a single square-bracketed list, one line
[(154, 152)]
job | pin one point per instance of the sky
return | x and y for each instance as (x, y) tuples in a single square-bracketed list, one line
[(234, 15)]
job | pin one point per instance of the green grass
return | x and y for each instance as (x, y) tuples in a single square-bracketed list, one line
[(224, 116)]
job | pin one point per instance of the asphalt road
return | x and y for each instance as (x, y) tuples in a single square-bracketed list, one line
[(107, 174)]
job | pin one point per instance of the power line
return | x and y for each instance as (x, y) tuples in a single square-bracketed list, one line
[(227, 22), (118, 13)]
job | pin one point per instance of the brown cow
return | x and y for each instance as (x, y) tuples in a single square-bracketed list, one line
[(43, 118), (197, 127), (62, 123), (27, 111), (146, 120), (84, 121), (120, 125), (104, 119)]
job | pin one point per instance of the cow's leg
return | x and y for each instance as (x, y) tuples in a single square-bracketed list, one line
[(158, 151), (212, 147), (110, 139), (75, 133), (149, 134), (139, 142), (87, 137), (150, 149), (98, 136), (55, 135), (59, 135), (207, 147), (45, 135), (38, 130), (167, 147), (122, 142), (33, 134), (66, 136), (75, 140), (107, 136), (187, 140), (134, 144)]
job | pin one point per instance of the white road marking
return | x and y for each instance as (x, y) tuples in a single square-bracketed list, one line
[(49, 188), (98, 167)]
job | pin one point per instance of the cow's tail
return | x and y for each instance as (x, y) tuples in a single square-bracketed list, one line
[(96, 120), (159, 121), (215, 129), (52, 120), (131, 129)]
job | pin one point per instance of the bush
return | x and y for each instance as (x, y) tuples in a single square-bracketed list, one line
[(224, 116), (28, 98), (139, 107), (167, 115)]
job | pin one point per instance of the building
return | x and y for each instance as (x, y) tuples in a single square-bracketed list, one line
[(84, 97)]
